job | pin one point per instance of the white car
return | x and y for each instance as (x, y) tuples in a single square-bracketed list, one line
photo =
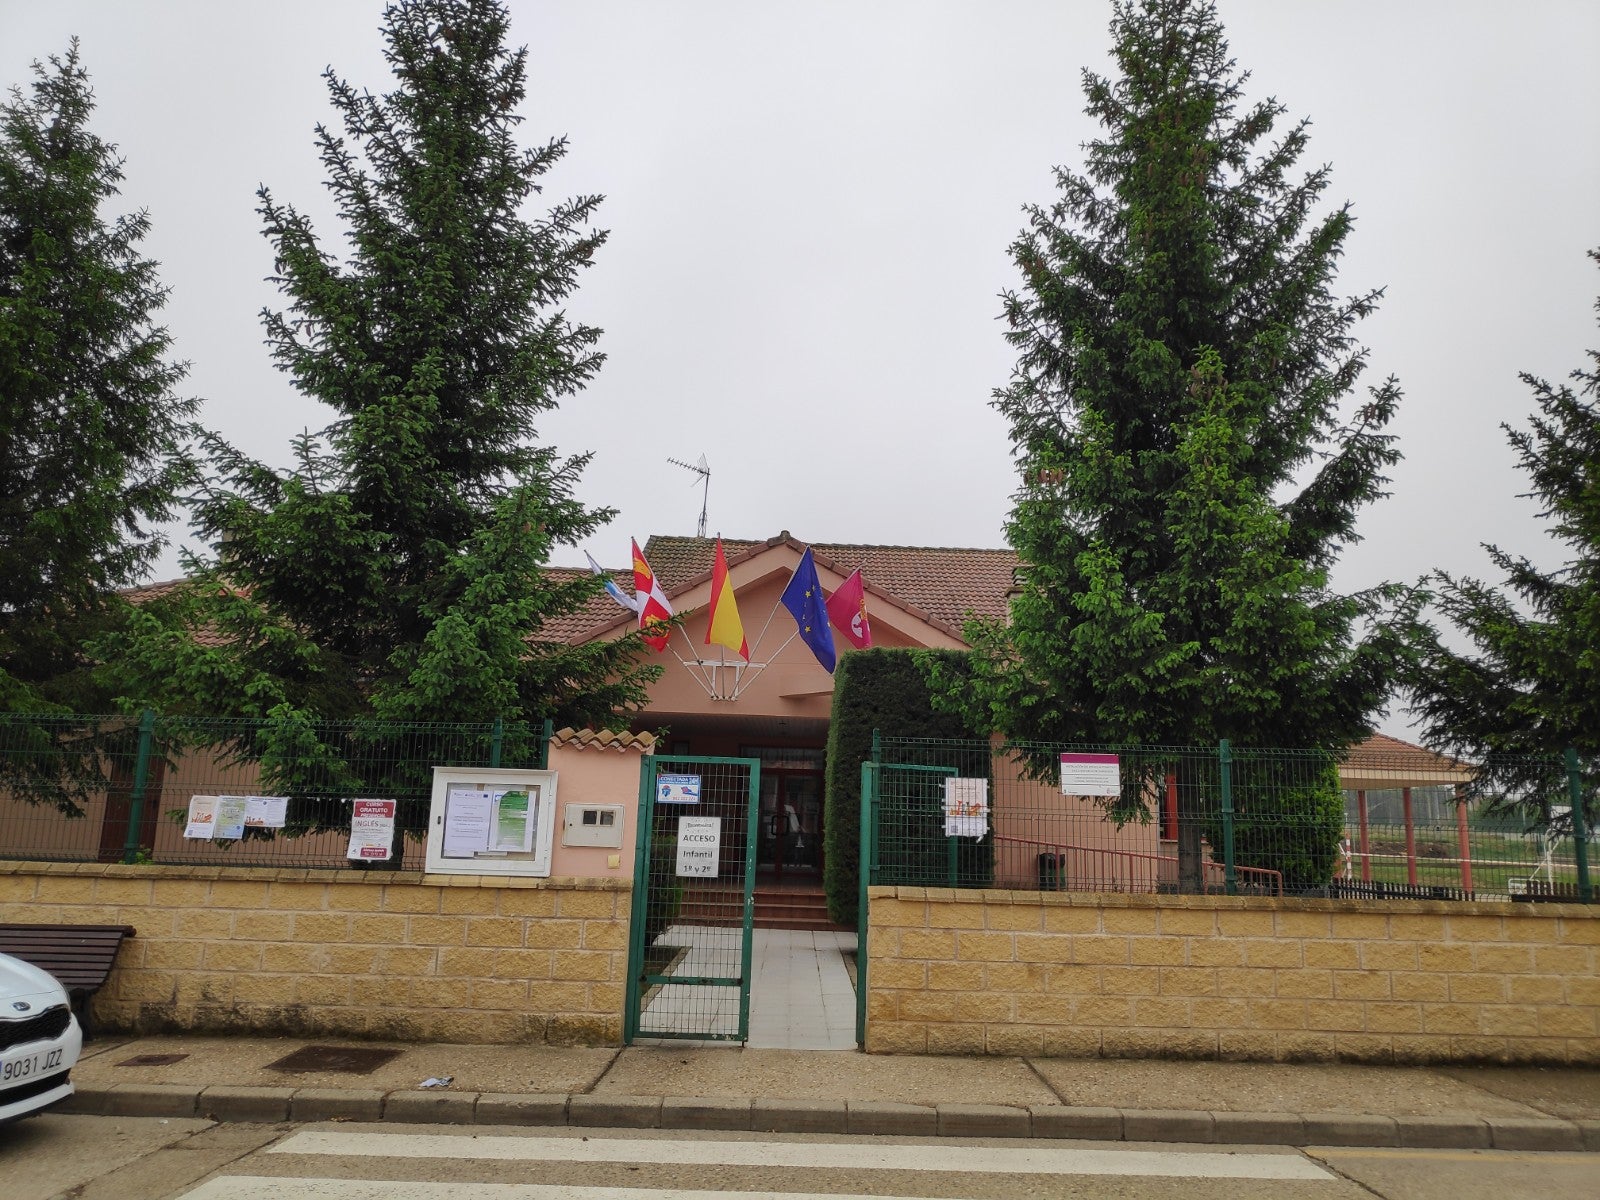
[(39, 1040)]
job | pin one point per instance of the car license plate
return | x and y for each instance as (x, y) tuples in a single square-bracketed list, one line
[(28, 1066)]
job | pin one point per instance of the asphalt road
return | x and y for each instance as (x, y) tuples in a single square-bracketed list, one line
[(115, 1158)]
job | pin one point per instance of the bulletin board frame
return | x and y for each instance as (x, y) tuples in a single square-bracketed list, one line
[(466, 809)]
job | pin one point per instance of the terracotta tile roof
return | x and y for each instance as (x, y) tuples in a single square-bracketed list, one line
[(1384, 761), (146, 593), (143, 593), (601, 610), (945, 583), (942, 584), (604, 739)]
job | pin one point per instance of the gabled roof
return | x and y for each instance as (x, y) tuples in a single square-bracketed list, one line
[(947, 583), (1382, 762), (942, 585)]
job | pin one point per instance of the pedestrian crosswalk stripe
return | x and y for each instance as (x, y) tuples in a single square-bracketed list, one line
[(852, 1156), (277, 1187)]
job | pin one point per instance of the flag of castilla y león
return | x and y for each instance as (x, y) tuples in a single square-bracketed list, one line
[(654, 611)]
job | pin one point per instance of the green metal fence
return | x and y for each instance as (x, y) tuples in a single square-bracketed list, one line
[(119, 789), (1222, 819)]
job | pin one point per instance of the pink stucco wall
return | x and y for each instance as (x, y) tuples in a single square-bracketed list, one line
[(595, 775)]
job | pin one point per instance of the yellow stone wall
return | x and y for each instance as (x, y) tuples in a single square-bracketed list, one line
[(1085, 975), (369, 954)]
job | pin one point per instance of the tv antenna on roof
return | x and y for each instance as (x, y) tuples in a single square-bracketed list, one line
[(701, 469)]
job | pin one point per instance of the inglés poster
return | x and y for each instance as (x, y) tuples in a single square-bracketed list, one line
[(371, 830)]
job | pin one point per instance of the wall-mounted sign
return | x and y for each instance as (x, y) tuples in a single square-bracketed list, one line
[(677, 789), (966, 807), (699, 846), (371, 830), (491, 821), (1090, 775)]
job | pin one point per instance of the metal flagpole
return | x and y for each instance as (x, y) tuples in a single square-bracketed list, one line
[(759, 668), (694, 664), (775, 606)]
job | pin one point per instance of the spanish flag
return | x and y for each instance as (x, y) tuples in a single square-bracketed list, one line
[(723, 628)]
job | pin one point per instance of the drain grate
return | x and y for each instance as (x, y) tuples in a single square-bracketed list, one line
[(152, 1060), (344, 1060)]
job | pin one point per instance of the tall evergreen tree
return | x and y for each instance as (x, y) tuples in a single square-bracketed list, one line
[(1190, 461), (399, 570), (90, 430), (1530, 686)]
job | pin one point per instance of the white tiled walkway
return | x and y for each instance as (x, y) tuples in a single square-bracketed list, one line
[(800, 993)]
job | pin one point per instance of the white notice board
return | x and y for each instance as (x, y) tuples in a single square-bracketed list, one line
[(491, 821)]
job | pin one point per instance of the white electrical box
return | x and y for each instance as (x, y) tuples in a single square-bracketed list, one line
[(593, 825)]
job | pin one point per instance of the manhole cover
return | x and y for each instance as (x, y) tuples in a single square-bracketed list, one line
[(347, 1060), (152, 1060)]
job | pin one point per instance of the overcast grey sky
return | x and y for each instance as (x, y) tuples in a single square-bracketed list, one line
[(810, 206)]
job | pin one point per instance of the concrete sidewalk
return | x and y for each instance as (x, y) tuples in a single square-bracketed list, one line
[(697, 1087)]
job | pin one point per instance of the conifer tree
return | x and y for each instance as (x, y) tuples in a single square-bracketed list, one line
[(1191, 461), (91, 459), (399, 571), (1530, 685)]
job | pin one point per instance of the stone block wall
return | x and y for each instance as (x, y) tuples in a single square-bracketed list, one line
[(359, 954), (1086, 975)]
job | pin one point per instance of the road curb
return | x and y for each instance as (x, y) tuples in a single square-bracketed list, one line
[(758, 1115)]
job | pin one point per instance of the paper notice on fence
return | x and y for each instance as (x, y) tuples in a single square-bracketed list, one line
[(467, 815), (516, 814), (1090, 775), (371, 829), (230, 816), (266, 812), (202, 817), (966, 807), (699, 846)]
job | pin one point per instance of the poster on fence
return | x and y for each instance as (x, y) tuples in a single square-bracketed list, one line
[(202, 817), (371, 830), (266, 812), (677, 789), (1090, 775), (699, 846), (966, 807), (230, 817)]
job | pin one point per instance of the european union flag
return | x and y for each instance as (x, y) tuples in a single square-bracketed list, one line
[(803, 598)]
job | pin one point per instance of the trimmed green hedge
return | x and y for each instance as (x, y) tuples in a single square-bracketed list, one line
[(886, 691)]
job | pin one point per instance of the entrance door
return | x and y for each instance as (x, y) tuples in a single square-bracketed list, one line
[(791, 823), (693, 899)]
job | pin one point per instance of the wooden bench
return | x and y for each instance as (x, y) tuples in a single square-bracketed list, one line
[(79, 956)]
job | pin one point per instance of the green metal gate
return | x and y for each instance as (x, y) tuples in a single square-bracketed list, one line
[(693, 899), (895, 798)]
